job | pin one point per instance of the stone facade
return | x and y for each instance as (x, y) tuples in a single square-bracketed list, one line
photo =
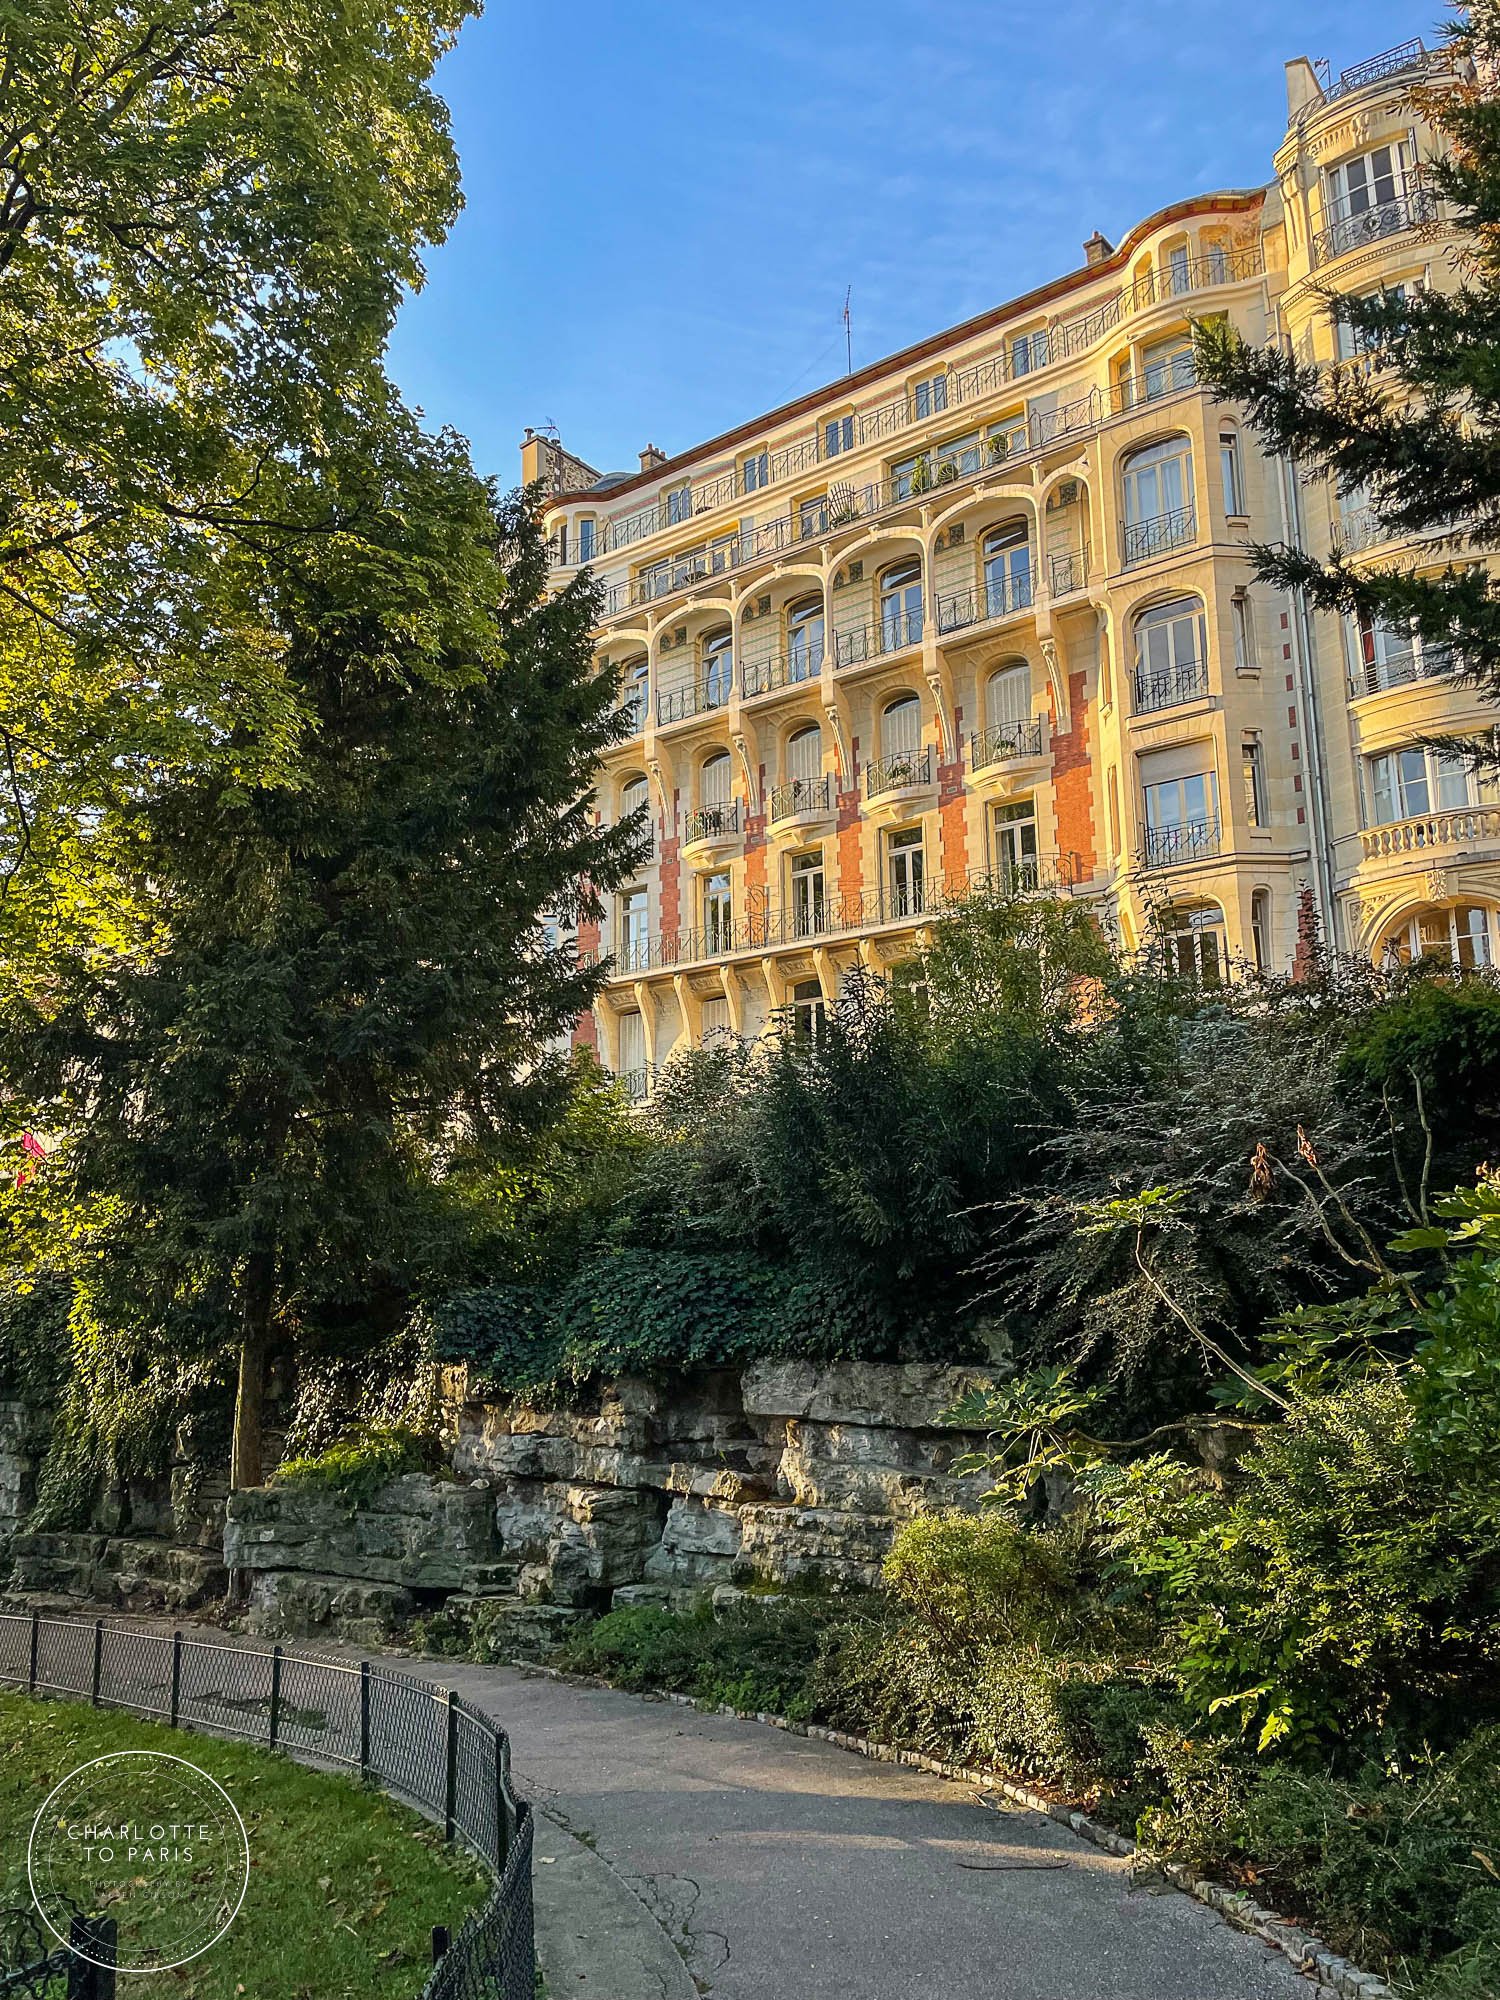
[(786, 1472)]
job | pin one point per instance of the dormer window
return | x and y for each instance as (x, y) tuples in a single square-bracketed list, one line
[(929, 396)]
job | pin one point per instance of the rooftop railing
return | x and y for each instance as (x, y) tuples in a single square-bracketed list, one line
[(972, 383), (1391, 62)]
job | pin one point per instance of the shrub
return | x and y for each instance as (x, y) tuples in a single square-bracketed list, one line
[(360, 1464), (748, 1657), (979, 1579)]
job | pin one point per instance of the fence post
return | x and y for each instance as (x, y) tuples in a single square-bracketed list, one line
[(96, 1937), (35, 1628), (440, 1943), (275, 1694), (176, 1678), (450, 1788), (502, 1809), (98, 1659), (364, 1718)]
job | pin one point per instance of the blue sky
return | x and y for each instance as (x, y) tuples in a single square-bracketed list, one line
[(665, 203)]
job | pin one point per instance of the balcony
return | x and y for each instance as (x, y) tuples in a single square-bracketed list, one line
[(1001, 597), (713, 823), (892, 633), (1171, 846), (1159, 535), (701, 698), (782, 670), (1462, 826), (1407, 55), (1006, 743), (1186, 681), (801, 799), (1410, 209), (636, 1083), (1413, 663), (1068, 573), (907, 771), (831, 916)]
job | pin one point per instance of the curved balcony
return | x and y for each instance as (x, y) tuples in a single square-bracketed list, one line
[(1403, 669), (711, 832), (1007, 743), (800, 802), (900, 777), (1457, 828), (1410, 209)]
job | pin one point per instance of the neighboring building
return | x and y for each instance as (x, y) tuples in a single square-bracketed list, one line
[(981, 614)]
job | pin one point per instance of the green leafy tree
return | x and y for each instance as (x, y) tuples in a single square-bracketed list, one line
[(273, 1106), (1421, 432), (208, 215)]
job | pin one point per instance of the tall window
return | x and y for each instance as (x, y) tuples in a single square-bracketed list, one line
[(1239, 622), (1462, 936), (633, 692), (1015, 845), (901, 727), (807, 882), (929, 396), (804, 756), (634, 797), (586, 539), (901, 606), (1405, 784), (713, 780), (1260, 928), (1367, 182), (808, 1010), (716, 1022), (1229, 472), (634, 943), (1007, 696), (680, 504), (1158, 489), (1179, 270), (1194, 940), (718, 926), (633, 1054), (1166, 366), (1029, 351), (718, 668), (1007, 569), (904, 871), (1181, 806), (804, 639), (756, 472), (1170, 650), (1253, 783), (1353, 340), (838, 436)]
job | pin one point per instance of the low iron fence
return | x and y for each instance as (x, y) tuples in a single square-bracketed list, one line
[(420, 1742), (35, 1965)]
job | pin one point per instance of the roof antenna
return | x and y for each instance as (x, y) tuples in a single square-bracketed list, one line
[(848, 333)]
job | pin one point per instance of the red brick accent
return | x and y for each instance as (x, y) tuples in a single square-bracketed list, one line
[(671, 877), (850, 846), (586, 1032), (1073, 781), (586, 1028)]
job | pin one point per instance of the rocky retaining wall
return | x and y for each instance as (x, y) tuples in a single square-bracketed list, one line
[(783, 1473)]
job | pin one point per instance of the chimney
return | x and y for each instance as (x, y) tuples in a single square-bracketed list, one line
[(1302, 87), (1098, 249), (651, 458), (534, 457)]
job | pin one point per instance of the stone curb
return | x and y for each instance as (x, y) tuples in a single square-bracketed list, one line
[(1337, 1978)]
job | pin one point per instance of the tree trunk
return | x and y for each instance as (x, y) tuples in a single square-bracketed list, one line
[(245, 1467)]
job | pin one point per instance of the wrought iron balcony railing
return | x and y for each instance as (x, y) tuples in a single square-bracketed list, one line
[(1003, 742), (1412, 663), (1069, 572), (892, 633), (1159, 535), (715, 822), (908, 768), (996, 597), (1169, 687), (1462, 826), (677, 704), (1408, 55), (1410, 209), (636, 1083), (781, 670), (831, 914), (1167, 846), (801, 795)]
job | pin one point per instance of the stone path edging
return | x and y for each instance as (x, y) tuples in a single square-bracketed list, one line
[(594, 1935), (1337, 1978)]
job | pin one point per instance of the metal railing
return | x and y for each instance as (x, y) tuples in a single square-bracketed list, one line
[(418, 1741), (698, 698), (1068, 572), (996, 597), (830, 914), (720, 821), (1193, 840), (779, 671), (1169, 687), (893, 774), (1410, 209), (1406, 55), (1459, 826), (892, 633), (1160, 534), (1006, 740), (801, 795), (34, 1965), (1412, 663)]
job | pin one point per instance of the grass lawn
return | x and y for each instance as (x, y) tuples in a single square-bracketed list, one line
[(345, 1886)]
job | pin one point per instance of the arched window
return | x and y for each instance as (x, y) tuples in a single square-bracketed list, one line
[(804, 638), (1464, 935), (718, 667), (1194, 941), (633, 677), (1260, 928), (901, 727), (1007, 569), (1171, 663), (901, 606), (713, 780), (804, 754), (1007, 694), (634, 796), (1158, 491)]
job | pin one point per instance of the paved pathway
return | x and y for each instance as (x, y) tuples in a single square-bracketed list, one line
[(790, 1870)]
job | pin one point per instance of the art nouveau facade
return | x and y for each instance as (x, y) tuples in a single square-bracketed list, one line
[(981, 614)]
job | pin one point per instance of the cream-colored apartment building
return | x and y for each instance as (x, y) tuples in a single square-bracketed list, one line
[(980, 615)]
